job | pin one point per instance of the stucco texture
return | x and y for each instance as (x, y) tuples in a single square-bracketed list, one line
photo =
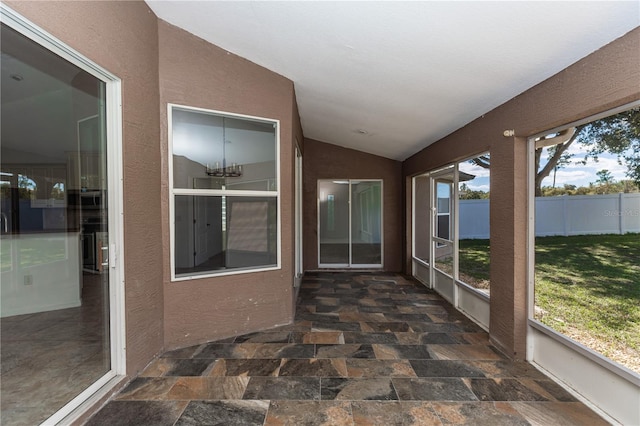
[(199, 74)]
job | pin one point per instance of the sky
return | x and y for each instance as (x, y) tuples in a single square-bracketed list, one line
[(578, 174), (574, 173), (481, 180)]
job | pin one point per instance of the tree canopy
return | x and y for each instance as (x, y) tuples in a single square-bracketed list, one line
[(618, 134)]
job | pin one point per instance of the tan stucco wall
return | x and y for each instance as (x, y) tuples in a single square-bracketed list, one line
[(608, 78), (196, 73), (327, 161), (122, 38)]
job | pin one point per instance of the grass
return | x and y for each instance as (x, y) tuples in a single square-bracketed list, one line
[(473, 263), (587, 287)]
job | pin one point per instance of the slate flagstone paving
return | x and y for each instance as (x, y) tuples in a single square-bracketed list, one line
[(364, 349)]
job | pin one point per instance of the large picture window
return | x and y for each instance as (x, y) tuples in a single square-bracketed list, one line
[(224, 203)]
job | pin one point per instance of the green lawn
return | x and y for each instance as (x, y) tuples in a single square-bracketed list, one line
[(587, 287), (473, 262)]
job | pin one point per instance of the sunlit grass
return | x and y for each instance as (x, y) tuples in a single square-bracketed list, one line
[(587, 287), (473, 263)]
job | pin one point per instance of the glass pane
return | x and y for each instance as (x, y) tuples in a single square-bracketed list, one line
[(250, 148), (443, 203), (334, 222), (366, 224), (473, 223), (216, 152), (444, 197), (54, 242), (197, 144), (221, 233)]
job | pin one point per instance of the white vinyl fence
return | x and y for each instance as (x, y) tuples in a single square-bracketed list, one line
[(563, 215)]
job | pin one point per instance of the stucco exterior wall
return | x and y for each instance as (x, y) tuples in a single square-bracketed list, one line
[(606, 79), (196, 73), (326, 161)]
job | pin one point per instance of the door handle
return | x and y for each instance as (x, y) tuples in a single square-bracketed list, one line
[(105, 255)]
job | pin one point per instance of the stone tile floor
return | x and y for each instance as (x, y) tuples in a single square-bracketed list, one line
[(365, 349)]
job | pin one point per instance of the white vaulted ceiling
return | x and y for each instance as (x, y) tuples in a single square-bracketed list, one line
[(390, 78)]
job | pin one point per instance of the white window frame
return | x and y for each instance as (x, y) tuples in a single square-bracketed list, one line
[(173, 192), (74, 409)]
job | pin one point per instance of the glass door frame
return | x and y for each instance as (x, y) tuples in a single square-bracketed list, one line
[(298, 194), (350, 263), (448, 175), (113, 106)]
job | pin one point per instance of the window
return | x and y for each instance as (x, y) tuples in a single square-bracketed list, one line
[(443, 210), (224, 204)]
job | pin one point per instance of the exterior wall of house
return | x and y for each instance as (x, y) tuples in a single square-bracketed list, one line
[(159, 63), (326, 161), (606, 79), (122, 38), (196, 73)]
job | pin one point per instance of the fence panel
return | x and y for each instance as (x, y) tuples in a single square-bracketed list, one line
[(563, 215), (629, 213), (474, 219)]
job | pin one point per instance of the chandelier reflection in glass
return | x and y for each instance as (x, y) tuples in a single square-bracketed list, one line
[(234, 170)]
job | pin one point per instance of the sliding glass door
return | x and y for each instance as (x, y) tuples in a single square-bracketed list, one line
[(57, 296), (350, 223)]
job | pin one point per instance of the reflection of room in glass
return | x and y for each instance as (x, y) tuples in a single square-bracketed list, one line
[(216, 159), (55, 309), (350, 220)]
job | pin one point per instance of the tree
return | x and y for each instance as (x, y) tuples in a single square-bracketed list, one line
[(617, 134), (604, 181), (466, 193), (563, 160), (604, 177)]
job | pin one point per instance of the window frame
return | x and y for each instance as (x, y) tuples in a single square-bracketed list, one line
[(435, 177), (173, 192)]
